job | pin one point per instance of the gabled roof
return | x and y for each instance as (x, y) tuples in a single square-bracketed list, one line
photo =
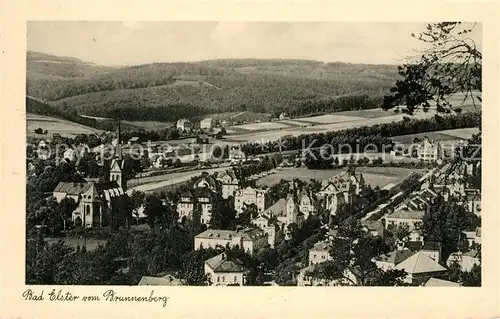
[(395, 257), (217, 233), (321, 246), (71, 188), (407, 214), (277, 208), (435, 282), (221, 263), (160, 281), (419, 263)]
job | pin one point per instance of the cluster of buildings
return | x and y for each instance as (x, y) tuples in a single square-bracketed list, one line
[(422, 260)]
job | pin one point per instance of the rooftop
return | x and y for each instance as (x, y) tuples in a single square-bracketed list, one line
[(167, 280), (419, 263), (407, 214), (435, 282), (395, 257), (221, 263)]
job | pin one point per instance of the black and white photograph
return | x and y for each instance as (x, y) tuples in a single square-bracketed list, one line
[(253, 153)]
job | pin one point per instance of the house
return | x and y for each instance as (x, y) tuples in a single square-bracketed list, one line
[(229, 183), (405, 218), (319, 253), (205, 181), (390, 260), (420, 267), (184, 125), (207, 123), (340, 189), (250, 239), (222, 270), (204, 200), (236, 156), (167, 280), (185, 206), (248, 196), (43, 150), (436, 282), (268, 225), (466, 260), (429, 151), (285, 210), (134, 140), (283, 116), (200, 200), (306, 278)]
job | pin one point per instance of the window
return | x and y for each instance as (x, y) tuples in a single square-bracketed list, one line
[(235, 278), (218, 278), (223, 278)]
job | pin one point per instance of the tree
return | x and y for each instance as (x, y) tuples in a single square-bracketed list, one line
[(451, 63)]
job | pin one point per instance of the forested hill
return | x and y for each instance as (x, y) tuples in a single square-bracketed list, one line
[(211, 86)]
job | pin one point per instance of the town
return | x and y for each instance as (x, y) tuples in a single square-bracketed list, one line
[(256, 172), (234, 232)]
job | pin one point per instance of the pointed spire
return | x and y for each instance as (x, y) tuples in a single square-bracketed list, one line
[(118, 149)]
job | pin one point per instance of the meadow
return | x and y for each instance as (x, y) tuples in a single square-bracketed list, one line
[(54, 125)]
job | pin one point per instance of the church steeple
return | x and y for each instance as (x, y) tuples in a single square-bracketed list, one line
[(115, 171), (118, 148)]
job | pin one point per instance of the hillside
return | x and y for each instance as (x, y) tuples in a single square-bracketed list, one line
[(213, 86)]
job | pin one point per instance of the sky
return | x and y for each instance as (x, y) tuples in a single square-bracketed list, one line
[(129, 43)]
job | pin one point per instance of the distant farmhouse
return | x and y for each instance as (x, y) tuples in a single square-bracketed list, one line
[(184, 125)]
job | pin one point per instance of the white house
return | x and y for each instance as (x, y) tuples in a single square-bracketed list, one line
[(224, 271), (207, 123), (319, 253), (429, 151), (229, 183), (236, 156), (184, 125), (465, 260), (405, 218), (250, 239), (248, 196)]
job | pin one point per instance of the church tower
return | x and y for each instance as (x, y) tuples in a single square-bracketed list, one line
[(90, 208), (115, 171)]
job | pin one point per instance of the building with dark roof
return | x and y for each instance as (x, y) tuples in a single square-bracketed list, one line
[(223, 270)]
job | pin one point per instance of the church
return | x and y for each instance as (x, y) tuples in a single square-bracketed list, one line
[(94, 198)]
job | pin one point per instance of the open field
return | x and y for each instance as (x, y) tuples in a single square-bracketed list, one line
[(327, 119), (277, 134), (367, 114), (447, 135), (261, 126), (55, 125), (150, 125), (293, 123), (374, 176)]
